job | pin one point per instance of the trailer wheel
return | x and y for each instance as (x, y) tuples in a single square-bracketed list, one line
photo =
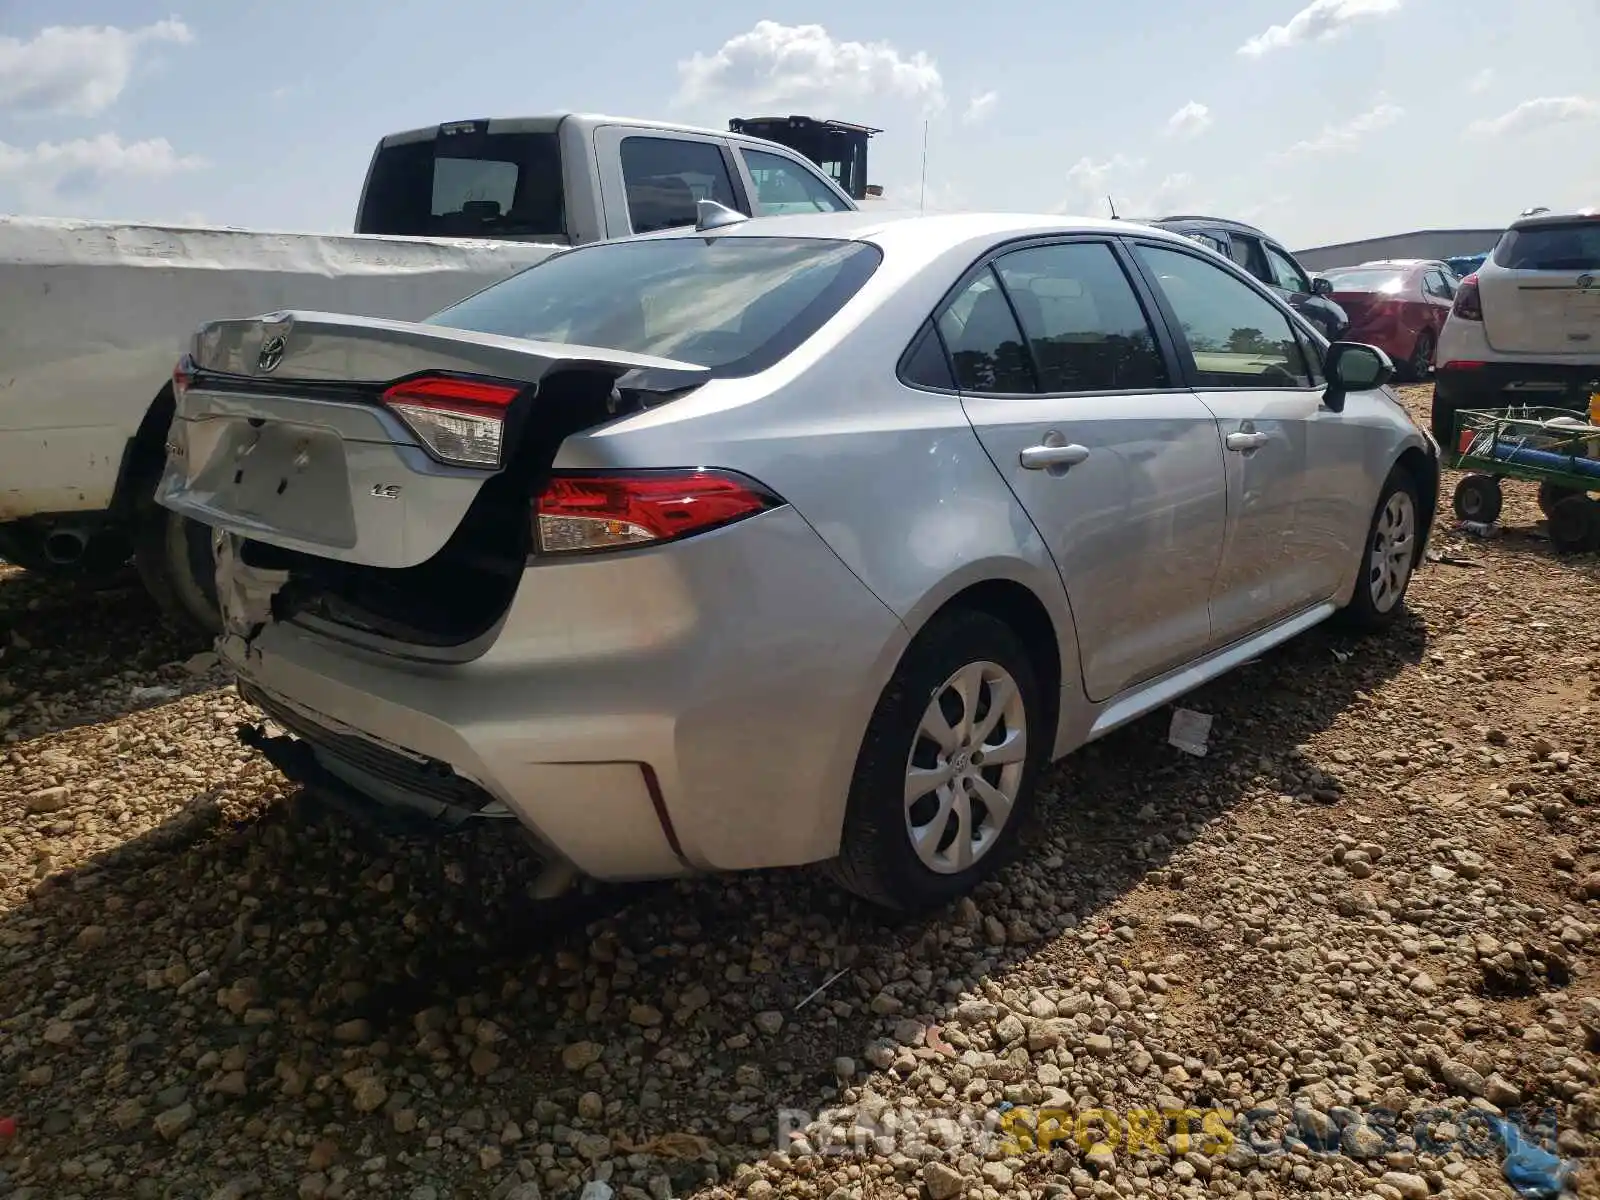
[(1552, 494), (1478, 498), (1575, 525)]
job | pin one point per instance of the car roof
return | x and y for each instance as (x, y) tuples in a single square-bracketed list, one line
[(552, 121), (1555, 218), (937, 229), (1212, 222)]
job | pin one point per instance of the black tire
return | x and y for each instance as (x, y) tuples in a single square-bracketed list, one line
[(1421, 360), (1575, 525), (1366, 612), (1479, 498), (1552, 494), (876, 858), (176, 564)]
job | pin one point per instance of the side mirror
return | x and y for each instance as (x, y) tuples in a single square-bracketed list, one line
[(1321, 287), (1353, 367)]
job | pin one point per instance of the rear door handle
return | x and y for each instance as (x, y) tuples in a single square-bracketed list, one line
[(1246, 441), (1039, 458)]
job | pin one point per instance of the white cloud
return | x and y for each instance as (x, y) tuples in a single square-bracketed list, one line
[(1541, 113), (1481, 81), (83, 164), (1347, 135), (1192, 119), (78, 70), (980, 107), (1318, 21), (1135, 194), (1089, 182), (775, 64)]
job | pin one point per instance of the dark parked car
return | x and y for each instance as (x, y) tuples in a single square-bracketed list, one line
[(1270, 263)]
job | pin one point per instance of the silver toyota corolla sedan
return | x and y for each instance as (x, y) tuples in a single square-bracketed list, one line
[(783, 540)]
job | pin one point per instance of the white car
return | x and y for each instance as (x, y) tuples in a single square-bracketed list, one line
[(1525, 327)]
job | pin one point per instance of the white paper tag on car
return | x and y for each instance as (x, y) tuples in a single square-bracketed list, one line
[(1190, 731)]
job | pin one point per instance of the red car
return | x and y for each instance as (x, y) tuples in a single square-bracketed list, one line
[(1398, 305)]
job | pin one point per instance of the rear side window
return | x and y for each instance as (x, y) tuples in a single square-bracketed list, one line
[(733, 304), (1560, 246), (986, 347), (1084, 323), (467, 184), (1209, 242), (1246, 251), (925, 363), (783, 186), (666, 177)]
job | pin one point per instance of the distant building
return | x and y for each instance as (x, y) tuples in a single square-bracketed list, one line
[(1420, 243)]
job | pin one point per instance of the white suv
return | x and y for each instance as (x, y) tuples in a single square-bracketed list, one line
[(1525, 328)]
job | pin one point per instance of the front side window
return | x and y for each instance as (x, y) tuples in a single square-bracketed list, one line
[(1285, 274), (1083, 321), (783, 186), (665, 178), (986, 347), (1239, 338), (733, 304)]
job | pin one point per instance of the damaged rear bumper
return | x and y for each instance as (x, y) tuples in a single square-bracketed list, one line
[(644, 715)]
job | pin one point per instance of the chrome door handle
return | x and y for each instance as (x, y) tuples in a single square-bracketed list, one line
[(1246, 441), (1040, 458)]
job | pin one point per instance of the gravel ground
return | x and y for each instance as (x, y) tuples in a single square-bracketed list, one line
[(1380, 892)]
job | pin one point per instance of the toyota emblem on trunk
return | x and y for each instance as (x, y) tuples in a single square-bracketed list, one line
[(1585, 281), (271, 354)]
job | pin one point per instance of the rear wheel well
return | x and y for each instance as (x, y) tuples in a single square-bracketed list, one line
[(145, 456), (1425, 472), (1025, 614)]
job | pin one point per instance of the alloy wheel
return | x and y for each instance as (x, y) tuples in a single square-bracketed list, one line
[(965, 768), (1393, 551)]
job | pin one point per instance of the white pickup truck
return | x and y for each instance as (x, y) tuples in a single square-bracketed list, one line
[(93, 314)]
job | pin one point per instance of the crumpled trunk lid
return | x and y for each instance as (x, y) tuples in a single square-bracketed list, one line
[(282, 436)]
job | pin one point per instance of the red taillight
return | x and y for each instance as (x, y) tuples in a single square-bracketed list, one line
[(1468, 305), (182, 377), (578, 512), (460, 421)]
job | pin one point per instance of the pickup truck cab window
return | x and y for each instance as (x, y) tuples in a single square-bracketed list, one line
[(665, 178), (784, 186), (468, 184)]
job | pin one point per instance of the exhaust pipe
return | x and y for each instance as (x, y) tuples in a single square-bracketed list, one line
[(65, 547)]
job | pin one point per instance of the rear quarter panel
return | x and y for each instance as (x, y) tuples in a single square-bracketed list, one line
[(892, 478)]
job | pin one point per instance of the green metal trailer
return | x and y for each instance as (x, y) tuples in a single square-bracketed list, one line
[(1553, 447)]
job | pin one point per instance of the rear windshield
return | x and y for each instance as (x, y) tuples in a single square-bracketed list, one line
[(1564, 246), (472, 184), (734, 304), (1365, 281)]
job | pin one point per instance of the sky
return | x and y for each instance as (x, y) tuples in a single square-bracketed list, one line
[(1321, 122)]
